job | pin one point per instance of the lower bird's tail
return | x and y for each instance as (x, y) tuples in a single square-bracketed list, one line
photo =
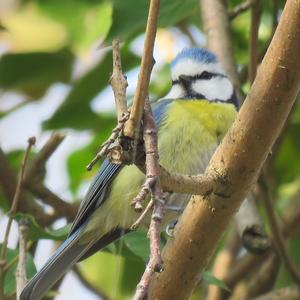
[(61, 261)]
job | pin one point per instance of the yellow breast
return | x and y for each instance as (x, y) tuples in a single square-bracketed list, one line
[(191, 132)]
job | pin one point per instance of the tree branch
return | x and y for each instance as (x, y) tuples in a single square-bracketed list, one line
[(152, 185), (253, 39), (118, 81), (288, 293), (8, 184), (217, 30), (277, 235), (240, 8), (21, 277), (237, 160), (132, 126), (223, 263), (13, 209)]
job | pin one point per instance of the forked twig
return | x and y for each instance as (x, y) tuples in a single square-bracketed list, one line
[(13, 209), (119, 84)]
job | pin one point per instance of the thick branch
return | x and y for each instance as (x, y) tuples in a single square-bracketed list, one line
[(133, 124), (238, 161)]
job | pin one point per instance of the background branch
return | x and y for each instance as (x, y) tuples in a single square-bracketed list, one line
[(217, 29)]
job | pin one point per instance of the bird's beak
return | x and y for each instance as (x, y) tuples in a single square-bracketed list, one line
[(185, 80)]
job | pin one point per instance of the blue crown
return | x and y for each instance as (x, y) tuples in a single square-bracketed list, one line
[(198, 54)]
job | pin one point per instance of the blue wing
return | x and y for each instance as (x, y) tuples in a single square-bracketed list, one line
[(96, 194)]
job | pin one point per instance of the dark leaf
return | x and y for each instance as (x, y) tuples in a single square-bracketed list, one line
[(75, 112), (36, 232), (10, 277), (127, 21), (32, 73)]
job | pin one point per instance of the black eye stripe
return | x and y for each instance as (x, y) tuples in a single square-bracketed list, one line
[(203, 76)]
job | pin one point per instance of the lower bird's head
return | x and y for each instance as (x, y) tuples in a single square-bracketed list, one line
[(196, 73)]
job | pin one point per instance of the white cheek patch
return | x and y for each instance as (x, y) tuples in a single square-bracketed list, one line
[(176, 92), (215, 88), (191, 68)]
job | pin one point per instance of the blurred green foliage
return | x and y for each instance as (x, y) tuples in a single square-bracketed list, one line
[(10, 278), (49, 38)]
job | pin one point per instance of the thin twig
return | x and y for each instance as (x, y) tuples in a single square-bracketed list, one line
[(13, 209), (118, 81), (157, 197), (137, 223), (36, 166), (105, 148), (61, 207), (276, 232), (21, 277), (132, 126), (240, 8), (8, 183), (34, 173), (253, 39)]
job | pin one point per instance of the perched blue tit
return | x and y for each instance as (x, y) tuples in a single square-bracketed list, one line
[(191, 122)]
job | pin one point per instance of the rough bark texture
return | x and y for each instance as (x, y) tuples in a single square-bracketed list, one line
[(237, 161)]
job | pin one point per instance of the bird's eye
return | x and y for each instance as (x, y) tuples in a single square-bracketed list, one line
[(206, 75)]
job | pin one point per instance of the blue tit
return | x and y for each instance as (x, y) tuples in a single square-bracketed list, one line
[(191, 122)]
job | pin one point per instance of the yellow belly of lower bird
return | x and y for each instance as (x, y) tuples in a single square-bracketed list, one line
[(187, 138)]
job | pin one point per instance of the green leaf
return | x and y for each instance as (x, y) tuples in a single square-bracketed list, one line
[(211, 279), (86, 22), (127, 21), (79, 159), (10, 277), (4, 205), (75, 112), (36, 232), (138, 243), (113, 274), (32, 73)]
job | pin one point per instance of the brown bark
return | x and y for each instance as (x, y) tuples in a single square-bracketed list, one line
[(217, 29), (237, 161)]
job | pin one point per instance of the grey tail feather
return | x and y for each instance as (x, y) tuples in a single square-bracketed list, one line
[(61, 261)]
